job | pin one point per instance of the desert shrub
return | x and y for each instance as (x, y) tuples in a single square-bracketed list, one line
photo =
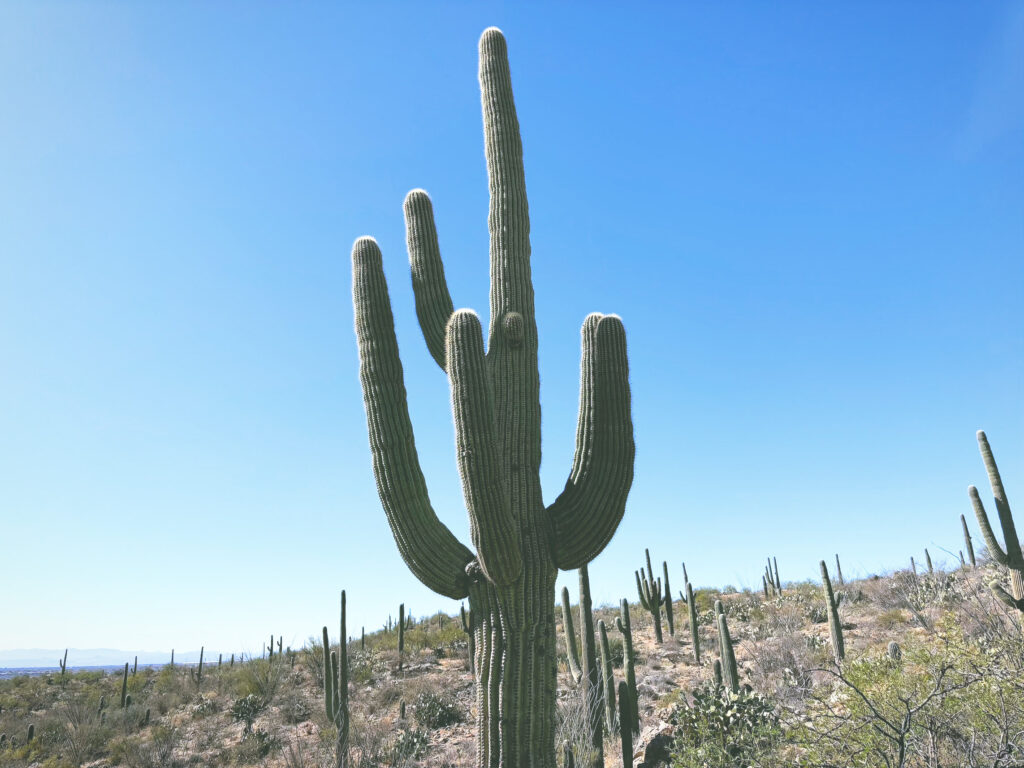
[(433, 710), (366, 666), (256, 745), (408, 744), (294, 707), (262, 678), (722, 730), (203, 706), (892, 618)]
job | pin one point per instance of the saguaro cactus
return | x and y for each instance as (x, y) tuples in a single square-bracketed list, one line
[(670, 620), (629, 663), (968, 543), (520, 543), (590, 680), (694, 629), (336, 689), (1011, 557), (608, 678), (835, 627), (649, 590), (729, 671), (401, 634), (572, 650)]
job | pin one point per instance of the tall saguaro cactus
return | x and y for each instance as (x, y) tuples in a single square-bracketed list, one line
[(520, 543), (1011, 557)]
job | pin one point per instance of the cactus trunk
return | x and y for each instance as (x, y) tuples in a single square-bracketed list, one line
[(968, 543)]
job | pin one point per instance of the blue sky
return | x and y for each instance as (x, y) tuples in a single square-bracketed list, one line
[(808, 216)]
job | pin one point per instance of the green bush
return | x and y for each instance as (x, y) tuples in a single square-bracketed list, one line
[(436, 711), (720, 729)]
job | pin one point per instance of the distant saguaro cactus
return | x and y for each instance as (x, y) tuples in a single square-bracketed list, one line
[(835, 627), (628, 662), (928, 562), (694, 629), (336, 689), (730, 673), (669, 619), (608, 678), (968, 543), (1011, 557), (572, 650), (401, 634), (520, 543)]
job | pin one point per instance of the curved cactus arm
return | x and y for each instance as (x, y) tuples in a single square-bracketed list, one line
[(430, 550), (587, 513), (1006, 597), (991, 541), (433, 302), (492, 525), (640, 592), (1013, 550)]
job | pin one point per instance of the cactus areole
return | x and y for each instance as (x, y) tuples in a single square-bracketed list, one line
[(519, 542)]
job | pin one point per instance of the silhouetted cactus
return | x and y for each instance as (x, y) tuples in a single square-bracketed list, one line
[(778, 581), (571, 647), (835, 627), (628, 662), (968, 543), (1011, 557), (63, 668), (199, 674), (520, 544), (124, 687)]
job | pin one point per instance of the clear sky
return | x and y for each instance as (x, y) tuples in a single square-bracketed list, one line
[(810, 217)]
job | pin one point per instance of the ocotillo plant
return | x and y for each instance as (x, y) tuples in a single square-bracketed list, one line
[(668, 602), (124, 687), (336, 688), (520, 544), (694, 629), (730, 674), (608, 678), (968, 543), (650, 599), (839, 573), (625, 729), (835, 627), (572, 651), (467, 627), (590, 680), (628, 662), (401, 634), (1011, 557)]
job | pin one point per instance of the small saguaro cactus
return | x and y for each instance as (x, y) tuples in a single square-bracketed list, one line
[(625, 728), (467, 627), (968, 543), (172, 657), (764, 585), (668, 602), (1011, 557), (913, 566), (336, 688), (778, 581), (199, 672), (590, 680), (31, 732), (520, 543), (572, 651), (608, 677), (839, 573), (124, 687), (651, 597), (63, 668), (135, 666), (628, 662), (694, 629), (835, 627), (716, 672), (401, 635), (730, 673), (928, 562)]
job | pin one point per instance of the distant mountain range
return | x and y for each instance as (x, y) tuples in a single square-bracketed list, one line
[(96, 657)]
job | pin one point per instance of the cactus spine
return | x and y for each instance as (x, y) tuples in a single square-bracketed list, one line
[(668, 602), (1011, 557), (629, 662), (729, 672), (968, 543), (572, 651), (608, 678), (835, 627), (694, 629), (520, 544)]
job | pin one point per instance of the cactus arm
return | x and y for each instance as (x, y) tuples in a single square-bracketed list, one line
[(587, 513), (430, 550), (640, 592), (433, 302), (1013, 550), (991, 541), (1006, 597), (492, 525), (571, 649)]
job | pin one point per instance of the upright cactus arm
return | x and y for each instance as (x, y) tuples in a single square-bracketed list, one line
[(994, 549), (493, 528), (1011, 556), (430, 550), (586, 514), (571, 648), (433, 302)]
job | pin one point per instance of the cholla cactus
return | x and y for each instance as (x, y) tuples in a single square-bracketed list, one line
[(520, 543), (1011, 557)]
